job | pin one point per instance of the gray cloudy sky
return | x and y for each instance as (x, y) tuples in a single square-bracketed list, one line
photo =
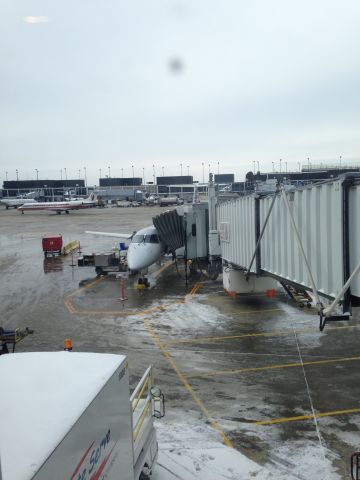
[(88, 83)]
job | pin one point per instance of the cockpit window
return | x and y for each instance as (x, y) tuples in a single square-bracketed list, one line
[(138, 238), (146, 238)]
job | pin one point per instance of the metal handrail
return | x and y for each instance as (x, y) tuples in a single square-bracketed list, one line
[(143, 386)]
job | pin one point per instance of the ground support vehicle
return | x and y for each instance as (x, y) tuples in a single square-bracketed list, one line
[(52, 244), (10, 338), (69, 415), (105, 263)]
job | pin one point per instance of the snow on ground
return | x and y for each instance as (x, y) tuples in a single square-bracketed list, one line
[(196, 453)]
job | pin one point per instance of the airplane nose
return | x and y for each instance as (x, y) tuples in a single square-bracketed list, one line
[(137, 258), (142, 256)]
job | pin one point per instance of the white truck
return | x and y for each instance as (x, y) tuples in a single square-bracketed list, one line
[(68, 416)]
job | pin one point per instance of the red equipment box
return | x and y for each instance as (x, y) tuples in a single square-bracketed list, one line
[(52, 244)]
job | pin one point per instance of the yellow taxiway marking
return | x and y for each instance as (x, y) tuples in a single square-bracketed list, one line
[(185, 383), (164, 267), (264, 334), (231, 337), (89, 285), (308, 417), (274, 367), (73, 310)]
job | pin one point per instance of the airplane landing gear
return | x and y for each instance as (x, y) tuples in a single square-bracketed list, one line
[(143, 283)]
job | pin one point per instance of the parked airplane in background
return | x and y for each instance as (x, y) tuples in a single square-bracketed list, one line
[(145, 247), (16, 202), (60, 207)]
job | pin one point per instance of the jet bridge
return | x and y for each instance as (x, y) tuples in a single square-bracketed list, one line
[(185, 232), (307, 237)]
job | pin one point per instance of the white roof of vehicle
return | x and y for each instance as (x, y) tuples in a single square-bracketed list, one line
[(42, 396)]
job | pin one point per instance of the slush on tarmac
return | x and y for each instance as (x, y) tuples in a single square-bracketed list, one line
[(253, 373)]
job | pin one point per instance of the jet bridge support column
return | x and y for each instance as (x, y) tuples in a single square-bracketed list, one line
[(214, 239)]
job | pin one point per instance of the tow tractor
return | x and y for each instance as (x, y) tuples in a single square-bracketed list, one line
[(12, 337)]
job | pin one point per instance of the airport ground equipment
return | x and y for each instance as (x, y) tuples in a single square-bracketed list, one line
[(355, 466), (70, 415), (10, 338), (105, 263), (52, 244), (307, 237), (71, 247)]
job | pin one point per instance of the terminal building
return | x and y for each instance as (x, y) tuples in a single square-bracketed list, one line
[(44, 189)]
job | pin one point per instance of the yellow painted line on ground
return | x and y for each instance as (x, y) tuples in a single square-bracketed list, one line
[(274, 367), (164, 267), (89, 285), (308, 417), (69, 306), (231, 337), (72, 308), (185, 383), (264, 334)]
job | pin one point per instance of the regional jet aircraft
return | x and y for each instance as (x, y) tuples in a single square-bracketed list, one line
[(60, 207), (16, 202), (145, 247)]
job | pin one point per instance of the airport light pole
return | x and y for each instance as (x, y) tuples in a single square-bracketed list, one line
[(144, 176), (280, 164), (202, 163), (154, 175), (258, 166), (61, 174), (218, 168), (181, 169), (6, 175), (37, 176), (299, 166), (163, 171), (187, 166), (132, 167), (308, 163), (340, 160), (254, 167), (122, 173), (85, 177), (209, 172), (273, 166), (99, 174), (17, 179), (109, 171)]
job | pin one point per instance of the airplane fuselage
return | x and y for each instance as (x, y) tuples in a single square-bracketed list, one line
[(58, 207), (145, 249), (16, 202)]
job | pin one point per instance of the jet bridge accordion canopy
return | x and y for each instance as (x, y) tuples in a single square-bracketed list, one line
[(171, 229)]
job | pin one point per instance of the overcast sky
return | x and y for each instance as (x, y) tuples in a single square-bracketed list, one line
[(228, 83)]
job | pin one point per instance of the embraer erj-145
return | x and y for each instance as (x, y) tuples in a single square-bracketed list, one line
[(60, 207), (145, 247)]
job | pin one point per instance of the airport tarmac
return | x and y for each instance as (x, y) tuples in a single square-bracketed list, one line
[(253, 372)]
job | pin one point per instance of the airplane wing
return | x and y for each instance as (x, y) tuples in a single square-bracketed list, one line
[(108, 234)]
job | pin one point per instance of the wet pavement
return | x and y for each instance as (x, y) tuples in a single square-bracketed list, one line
[(256, 369)]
